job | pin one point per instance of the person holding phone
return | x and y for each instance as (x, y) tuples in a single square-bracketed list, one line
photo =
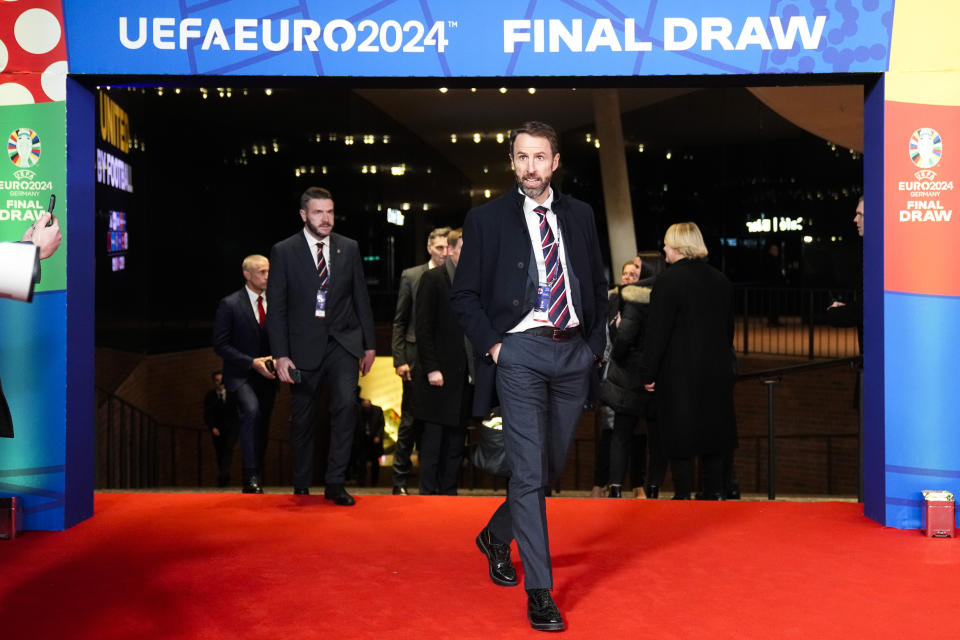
[(240, 338), (321, 329), (45, 235)]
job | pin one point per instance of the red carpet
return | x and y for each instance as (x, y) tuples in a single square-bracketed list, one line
[(235, 566)]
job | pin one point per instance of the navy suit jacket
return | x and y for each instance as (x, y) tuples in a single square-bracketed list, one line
[(238, 338), (295, 331), (496, 280)]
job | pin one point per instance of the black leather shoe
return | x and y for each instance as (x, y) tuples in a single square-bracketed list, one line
[(400, 491), (498, 556), (542, 612), (615, 491), (252, 485), (681, 496), (652, 491), (339, 495), (301, 491)]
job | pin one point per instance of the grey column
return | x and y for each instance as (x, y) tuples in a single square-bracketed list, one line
[(616, 185)]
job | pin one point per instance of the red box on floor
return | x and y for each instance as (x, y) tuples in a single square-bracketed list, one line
[(11, 518), (938, 514)]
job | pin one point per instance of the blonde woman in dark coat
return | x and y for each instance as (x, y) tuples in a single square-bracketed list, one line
[(688, 352)]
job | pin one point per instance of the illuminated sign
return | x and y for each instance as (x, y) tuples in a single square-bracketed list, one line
[(114, 124), (117, 240), (395, 216), (114, 172), (492, 38), (774, 225)]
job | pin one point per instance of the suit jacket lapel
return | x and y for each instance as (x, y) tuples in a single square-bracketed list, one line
[(244, 301)]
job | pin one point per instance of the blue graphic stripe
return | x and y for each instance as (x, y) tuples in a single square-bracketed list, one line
[(371, 10), (429, 22), (618, 26), (8, 487), (920, 471), (317, 63), (31, 471), (200, 6), (519, 47), (904, 502)]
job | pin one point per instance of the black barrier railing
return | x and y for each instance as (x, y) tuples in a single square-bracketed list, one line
[(137, 451), (792, 322), (770, 378)]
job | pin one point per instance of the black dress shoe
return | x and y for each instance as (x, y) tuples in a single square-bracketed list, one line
[(498, 557), (339, 495), (301, 491), (681, 496), (615, 491), (652, 491), (252, 485), (542, 612), (400, 491)]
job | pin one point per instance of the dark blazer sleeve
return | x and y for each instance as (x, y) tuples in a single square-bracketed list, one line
[(223, 338), (402, 319), (428, 298), (361, 302), (468, 287), (277, 294)]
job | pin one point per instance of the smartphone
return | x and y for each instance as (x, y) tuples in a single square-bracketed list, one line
[(295, 375), (53, 202)]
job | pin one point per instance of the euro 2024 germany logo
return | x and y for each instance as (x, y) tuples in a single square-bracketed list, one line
[(23, 147), (925, 147)]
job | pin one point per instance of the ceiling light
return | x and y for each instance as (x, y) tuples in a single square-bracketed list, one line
[(443, 89), (531, 91), (503, 89)]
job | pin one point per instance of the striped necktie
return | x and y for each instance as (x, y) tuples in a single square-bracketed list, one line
[(557, 311), (322, 267)]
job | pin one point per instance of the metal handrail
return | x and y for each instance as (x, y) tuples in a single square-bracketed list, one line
[(132, 452), (772, 377)]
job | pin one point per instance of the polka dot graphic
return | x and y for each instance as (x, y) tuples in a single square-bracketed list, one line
[(12, 93), (54, 80), (32, 42), (37, 31)]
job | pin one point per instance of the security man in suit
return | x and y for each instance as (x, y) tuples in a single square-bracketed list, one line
[(321, 328), (240, 338), (531, 295), (405, 355)]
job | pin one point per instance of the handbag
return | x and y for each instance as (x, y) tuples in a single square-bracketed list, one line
[(490, 453)]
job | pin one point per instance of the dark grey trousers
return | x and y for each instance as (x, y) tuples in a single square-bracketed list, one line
[(542, 385)]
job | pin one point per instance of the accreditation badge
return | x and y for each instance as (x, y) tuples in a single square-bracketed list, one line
[(321, 309), (540, 312)]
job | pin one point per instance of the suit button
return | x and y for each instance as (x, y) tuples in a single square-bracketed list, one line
[(516, 303), (519, 265)]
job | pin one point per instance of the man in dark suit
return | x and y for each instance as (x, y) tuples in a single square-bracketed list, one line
[(321, 327), (443, 382), (405, 355), (530, 293), (368, 443), (240, 338), (220, 416)]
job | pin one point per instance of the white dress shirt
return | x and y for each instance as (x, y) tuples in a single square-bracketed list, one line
[(253, 295), (533, 226), (312, 243)]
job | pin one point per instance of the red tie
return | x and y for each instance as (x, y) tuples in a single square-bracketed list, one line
[(322, 267), (261, 314)]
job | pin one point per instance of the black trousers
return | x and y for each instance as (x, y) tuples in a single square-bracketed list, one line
[(542, 385), (683, 475), (625, 445), (340, 372), (224, 445), (408, 434), (254, 399), (441, 454)]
